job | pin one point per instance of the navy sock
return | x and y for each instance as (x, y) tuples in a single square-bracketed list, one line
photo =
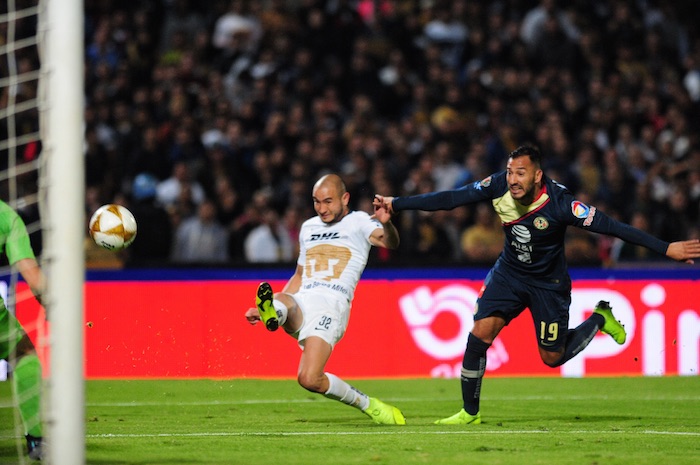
[(579, 338), (473, 369)]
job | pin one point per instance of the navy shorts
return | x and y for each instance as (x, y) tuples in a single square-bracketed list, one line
[(508, 297)]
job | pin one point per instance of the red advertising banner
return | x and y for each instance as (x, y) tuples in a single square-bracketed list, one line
[(398, 328)]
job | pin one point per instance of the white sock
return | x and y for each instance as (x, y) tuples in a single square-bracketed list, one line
[(342, 391), (281, 310)]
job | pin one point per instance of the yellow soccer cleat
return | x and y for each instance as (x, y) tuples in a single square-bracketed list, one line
[(384, 414), (263, 300), (461, 418), (612, 327)]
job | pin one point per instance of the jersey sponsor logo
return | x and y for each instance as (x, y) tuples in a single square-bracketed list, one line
[(540, 223), (579, 209), (589, 217), (521, 244), (324, 236), (521, 233)]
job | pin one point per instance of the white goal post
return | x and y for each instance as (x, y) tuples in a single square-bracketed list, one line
[(62, 199)]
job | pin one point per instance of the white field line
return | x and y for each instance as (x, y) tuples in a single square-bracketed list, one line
[(386, 433), (5, 403), (395, 432), (398, 400)]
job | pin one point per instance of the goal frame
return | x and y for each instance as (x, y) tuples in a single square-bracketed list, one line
[(62, 200)]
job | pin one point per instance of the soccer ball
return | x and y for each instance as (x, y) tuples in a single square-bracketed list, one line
[(113, 227)]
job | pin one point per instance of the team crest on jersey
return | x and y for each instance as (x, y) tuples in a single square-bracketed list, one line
[(485, 182), (579, 209), (541, 223)]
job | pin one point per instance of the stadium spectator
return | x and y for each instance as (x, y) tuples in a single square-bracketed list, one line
[(201, 238), (180, 18), (553, 48), (482, 242), (446, 29), (624, 252), (446, 171), (148, 156), (533, 23), (181, 181), (155, 230), (236, 30), (269, 242), (673, 224)]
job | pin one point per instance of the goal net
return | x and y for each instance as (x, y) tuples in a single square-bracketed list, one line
[(41, 177)]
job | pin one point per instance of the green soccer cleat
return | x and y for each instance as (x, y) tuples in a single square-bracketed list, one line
[(461, 418), (384, 414), (263, 300), (612, 327)]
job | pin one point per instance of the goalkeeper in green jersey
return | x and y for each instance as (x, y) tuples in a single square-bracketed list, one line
[(15, 345)]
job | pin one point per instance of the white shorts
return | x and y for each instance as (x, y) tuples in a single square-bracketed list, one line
[(325, 316)]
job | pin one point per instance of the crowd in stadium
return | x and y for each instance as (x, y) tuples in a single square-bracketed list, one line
[(211, 120)]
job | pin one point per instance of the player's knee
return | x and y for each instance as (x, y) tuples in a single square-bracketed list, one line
[(487, 329), (310, 381), (551, 359), (286, 299)]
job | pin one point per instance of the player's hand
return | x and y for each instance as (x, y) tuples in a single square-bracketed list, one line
[(684, 251), (252, 315), (381, 201), (381, 214)]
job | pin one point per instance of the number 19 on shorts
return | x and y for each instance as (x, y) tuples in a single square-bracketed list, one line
[(549, 332)]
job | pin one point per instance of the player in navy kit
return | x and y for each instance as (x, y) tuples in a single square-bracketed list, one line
[(531, 272)]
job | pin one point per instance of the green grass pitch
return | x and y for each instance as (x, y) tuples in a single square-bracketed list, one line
[(625, 420)]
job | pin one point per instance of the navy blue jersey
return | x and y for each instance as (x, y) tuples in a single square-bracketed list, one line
[(534, 244)]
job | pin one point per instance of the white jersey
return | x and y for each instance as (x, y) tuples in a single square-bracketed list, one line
[(333, 256)]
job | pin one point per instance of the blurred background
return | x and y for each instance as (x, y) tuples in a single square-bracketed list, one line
[(212, 120)]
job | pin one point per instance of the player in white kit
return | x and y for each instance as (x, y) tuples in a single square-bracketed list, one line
[(314, 306)]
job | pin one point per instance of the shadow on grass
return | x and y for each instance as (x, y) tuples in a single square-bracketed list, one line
[(560, 419)]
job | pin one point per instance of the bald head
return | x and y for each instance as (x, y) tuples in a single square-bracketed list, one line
[(330, 198), (332, 182)]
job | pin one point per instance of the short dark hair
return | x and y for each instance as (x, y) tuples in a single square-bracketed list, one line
[(527, 150)]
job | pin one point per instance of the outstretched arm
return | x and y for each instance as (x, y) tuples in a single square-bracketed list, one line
[(445, 200), (32, 274), (387, 236), (684, 251)]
